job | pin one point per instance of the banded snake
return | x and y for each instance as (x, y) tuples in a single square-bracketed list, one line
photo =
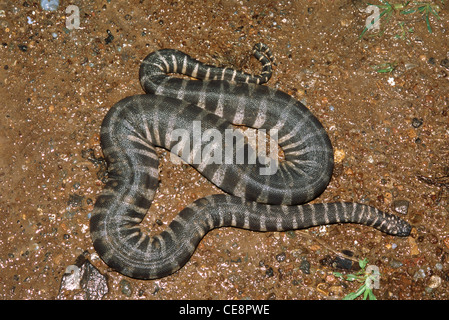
[(220, 98)]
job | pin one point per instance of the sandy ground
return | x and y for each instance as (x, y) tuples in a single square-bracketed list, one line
[(390, 132)]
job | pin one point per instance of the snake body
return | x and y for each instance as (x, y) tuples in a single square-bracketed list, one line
[(221, 99)]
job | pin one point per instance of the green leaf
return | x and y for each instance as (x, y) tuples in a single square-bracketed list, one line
[(359, 291), (363, 263), (369, 294), (408, 11), (366, 294), (428, 23), (350, 296), (351, 277), (384, 68)]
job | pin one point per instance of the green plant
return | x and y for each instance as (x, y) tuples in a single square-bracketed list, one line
[(404, 31), (426, 8), (409, 7), (362, 276), (386, 67)]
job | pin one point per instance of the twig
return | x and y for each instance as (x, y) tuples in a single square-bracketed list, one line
[(322, 243)]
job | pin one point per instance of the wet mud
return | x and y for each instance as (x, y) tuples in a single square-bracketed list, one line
[(390, 132)]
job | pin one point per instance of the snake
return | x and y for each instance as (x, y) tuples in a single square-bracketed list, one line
[(180, 93)]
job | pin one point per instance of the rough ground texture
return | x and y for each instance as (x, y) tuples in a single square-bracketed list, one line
[(390, 132)]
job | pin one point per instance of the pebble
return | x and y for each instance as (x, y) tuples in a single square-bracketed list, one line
[(401, 206), (416, 123), (271, 296), (125, 287), (434, 282), (336, 290), (109, 38), (297, 253), (419, 274), (305, 266), (395, 264), (414, 250), (330, 278), (269, 273), (75, 200), (445, 63), (342, 263), (84, 280), (409, 66), (280, 257), (339, 155), (50, 5)]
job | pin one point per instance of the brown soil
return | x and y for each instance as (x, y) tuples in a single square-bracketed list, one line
[(388, 130)]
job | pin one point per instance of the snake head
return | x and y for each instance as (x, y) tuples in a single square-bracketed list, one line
[(396, 226)]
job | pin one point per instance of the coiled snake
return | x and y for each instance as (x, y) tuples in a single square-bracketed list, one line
[(222, 99)]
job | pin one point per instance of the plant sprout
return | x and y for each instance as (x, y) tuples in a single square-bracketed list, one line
[(410, 7), (363, 276)]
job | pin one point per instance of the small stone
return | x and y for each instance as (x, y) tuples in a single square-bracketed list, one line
[(297, 253), (50, 5), (401, 206), (434, 282), (75, 200), (342, 263), (345, 22), (416, 123), (395, 264), (82, 281), (291, 234), (388, 197), (339, 155), (269, 273), (445, 63), (109, 38), (330, 278), (409, 66), (126, 288), (336, 290), (305, 266), (271, 296), (280, 257), (419, 274), (414, 250)]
